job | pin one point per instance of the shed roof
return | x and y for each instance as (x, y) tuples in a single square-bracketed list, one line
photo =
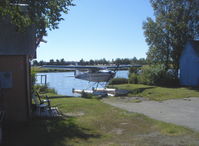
[(13, 42), (195, 45)]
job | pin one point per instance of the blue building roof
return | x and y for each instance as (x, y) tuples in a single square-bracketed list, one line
[(195, 45)]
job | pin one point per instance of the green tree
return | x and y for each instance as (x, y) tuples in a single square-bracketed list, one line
[(51, 62), (156, 37), (42, 14), (175, 23), (62, 61), (82, 62), (134, 60), (57, 62), (41, 63), (35, 63), (91, 62)]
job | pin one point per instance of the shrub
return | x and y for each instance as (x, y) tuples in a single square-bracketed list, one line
[(133, 70), (157, 75), (44, 89), (118, 81), (133, 78), (149, 75), (33, 78), (86, 95)]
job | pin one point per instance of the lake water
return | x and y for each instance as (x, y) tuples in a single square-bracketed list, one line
[(64, 82)]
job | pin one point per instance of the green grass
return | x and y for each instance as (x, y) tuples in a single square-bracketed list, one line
[(89, 122), (158, 93), (44, 70)]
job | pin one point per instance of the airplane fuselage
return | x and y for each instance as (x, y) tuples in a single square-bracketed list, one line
[(99, 76)]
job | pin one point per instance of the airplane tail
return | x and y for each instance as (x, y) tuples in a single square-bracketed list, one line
[(76, 72)]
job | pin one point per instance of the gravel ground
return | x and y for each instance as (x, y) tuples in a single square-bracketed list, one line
[(184, 112)]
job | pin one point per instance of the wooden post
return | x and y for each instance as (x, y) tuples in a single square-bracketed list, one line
[(45, 79)]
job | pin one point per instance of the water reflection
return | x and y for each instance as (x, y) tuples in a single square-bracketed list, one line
[(64, 82)]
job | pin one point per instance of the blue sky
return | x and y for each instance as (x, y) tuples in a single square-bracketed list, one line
[(96, 29)]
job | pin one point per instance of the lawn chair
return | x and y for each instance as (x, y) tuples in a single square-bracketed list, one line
[(42, 100), (41, 104), (44, 108)]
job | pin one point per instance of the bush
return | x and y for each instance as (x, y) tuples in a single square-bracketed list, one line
[(157, 75), (86, 95), (149, 75), (33, 78), (133, 78), (44, 89), (118, 81), (133, 70)]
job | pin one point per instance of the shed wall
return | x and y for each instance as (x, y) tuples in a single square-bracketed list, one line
[(189, 67), (16, 100)]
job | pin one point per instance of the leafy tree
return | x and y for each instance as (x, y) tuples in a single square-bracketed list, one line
[(57, 62), (91, 62), (175, 23), (35, 63), (156, 37), (62, 61), (102, 61), (40, 13), (134, 60), (51, 62), (142, 61), (81, 62), (41, 63)]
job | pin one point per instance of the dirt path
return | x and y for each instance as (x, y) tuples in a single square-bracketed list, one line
[(184, 112)]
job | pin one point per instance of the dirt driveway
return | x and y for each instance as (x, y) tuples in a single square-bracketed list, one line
[(184, 112)]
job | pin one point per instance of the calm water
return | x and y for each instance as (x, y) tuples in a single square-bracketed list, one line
[(64, 82)]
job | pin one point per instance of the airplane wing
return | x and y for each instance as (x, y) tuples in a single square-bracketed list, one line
[(74, 67), (93, 68), (122, 66)]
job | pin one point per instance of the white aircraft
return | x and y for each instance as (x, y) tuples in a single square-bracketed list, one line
[(92, 73), (98, 75), (95, 75)]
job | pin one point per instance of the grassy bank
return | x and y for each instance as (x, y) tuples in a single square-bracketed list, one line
[(44, 70), (89, 122), (158, 93)]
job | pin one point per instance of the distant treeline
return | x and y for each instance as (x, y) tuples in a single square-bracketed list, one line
[(141, 61)]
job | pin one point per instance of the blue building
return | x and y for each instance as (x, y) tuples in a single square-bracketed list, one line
[(189, 64)]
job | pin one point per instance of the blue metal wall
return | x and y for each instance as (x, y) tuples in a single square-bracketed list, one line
[(189, 67)]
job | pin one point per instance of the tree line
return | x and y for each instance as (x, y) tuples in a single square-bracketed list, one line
[(121, 61)]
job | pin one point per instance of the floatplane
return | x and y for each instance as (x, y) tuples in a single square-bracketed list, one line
[(96, 74)]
